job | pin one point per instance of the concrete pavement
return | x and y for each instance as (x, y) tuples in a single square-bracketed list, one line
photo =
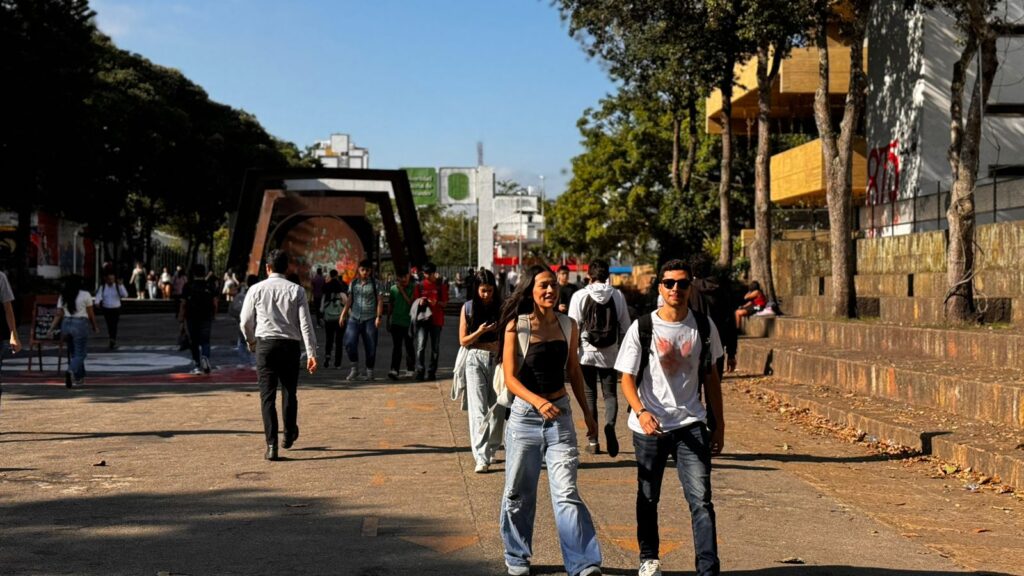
[(156, 472)]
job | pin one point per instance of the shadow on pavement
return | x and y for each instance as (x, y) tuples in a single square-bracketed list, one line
[(789, 570), (65, 436), (813, 459), (372, 452), (225, 531)]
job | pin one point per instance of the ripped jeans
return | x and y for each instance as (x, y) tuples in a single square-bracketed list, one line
[(528, 439)]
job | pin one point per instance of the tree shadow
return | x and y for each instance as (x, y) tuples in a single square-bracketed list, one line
[(167, 434), (792, 570), (794, 457), (369, 452), (245, 530)]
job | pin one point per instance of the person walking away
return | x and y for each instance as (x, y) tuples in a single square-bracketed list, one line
[(196, 311), (317, 286), (565, 289), (138, 280), (361, 317), (601, 313), (75, 316), (108, 300), (435, 293), (665, 359), (231, 288), (538, 349), (710, 294), (332, 304), (400, 322), (8, 326), (275, 319), (478, 333)]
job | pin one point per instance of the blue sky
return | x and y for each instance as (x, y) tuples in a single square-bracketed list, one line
[(418, 82)]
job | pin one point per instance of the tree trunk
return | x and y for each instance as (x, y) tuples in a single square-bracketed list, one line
[(965, 142), (837, 152), (691, 145), (724, 214), (761, 257), (677, 126)]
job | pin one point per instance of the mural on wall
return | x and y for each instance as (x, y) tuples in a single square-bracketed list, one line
[(325, 242), (883, 187)]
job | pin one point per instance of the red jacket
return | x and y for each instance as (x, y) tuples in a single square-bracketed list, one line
[(437, 294)]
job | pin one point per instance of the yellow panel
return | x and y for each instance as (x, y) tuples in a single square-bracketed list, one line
[(798, 174)]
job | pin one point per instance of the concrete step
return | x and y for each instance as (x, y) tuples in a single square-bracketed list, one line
[(992, 394), (990, 449), (979, 347), (920, 310)]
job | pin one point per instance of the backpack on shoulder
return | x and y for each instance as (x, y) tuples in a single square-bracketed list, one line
[(645, 330), (333, 307), (600, 326), (200, 301)]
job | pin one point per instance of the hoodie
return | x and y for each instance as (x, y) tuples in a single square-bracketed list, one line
[(601, 292)]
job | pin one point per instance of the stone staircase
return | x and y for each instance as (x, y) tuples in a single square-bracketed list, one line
[(955, 394)]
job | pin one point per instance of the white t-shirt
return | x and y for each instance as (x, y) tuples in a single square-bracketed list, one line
[(669, 389), (82, 301)]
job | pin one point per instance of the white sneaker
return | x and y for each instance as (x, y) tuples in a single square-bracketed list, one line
[(204, 363), (393, 374), (368, 376), (481, 468), (518, 570), (650, 568), (353, 374), (197, 371)]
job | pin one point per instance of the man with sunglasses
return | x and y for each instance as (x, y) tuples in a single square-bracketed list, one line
[(661, 380)]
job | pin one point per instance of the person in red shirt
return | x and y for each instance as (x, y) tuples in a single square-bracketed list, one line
[(431, 293), (753, 302)]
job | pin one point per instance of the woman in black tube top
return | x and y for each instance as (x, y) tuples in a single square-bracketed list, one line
[(541, 426)]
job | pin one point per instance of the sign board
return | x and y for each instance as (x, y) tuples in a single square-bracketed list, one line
[(44, 309), (457, 185), (423, 183)]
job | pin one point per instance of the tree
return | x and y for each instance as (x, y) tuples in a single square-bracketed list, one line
[(47, 64), (774, 28), (978, 29), (450, 237), (837, 149)]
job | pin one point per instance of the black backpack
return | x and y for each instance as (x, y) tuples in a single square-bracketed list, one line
[(200, 300), (645, 330), (600, 326)]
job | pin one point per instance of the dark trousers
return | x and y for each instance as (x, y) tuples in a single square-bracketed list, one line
[(199, 336), (277, 361), (607, 377), (112, 316), (401, 339), (333, 335), (691, 446), (424, 331)]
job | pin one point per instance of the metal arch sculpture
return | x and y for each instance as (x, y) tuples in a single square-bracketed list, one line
[(289, 196)]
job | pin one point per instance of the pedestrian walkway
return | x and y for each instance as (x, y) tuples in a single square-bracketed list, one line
[(170, 478)]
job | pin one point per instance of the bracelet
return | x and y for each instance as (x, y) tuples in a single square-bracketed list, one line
[(642, 410), (543, 405)]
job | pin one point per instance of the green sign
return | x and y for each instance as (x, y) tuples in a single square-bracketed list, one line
[(423, 182), (458, 186)]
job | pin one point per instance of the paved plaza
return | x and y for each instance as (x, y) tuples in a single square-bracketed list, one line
[(148, 470)]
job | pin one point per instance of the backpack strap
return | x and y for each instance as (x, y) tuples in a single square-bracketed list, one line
[(523, 336), (565, 323), (645, 329), (467, 310)]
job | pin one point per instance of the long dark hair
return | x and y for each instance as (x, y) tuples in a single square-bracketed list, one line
[(484, 313), (521, 300), (69, 292)]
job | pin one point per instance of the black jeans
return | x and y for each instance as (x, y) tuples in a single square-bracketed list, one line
[(401, 339), (199, 332), (333, 333), (691, 446), (608, 379), (277, 361), (112, 316)]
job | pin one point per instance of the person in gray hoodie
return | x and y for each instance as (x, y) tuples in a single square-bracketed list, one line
[(600, 310)]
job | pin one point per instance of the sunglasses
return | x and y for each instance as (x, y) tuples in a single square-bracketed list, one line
[(670, 283)]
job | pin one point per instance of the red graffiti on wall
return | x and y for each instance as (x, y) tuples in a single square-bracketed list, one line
[(883, 174)]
